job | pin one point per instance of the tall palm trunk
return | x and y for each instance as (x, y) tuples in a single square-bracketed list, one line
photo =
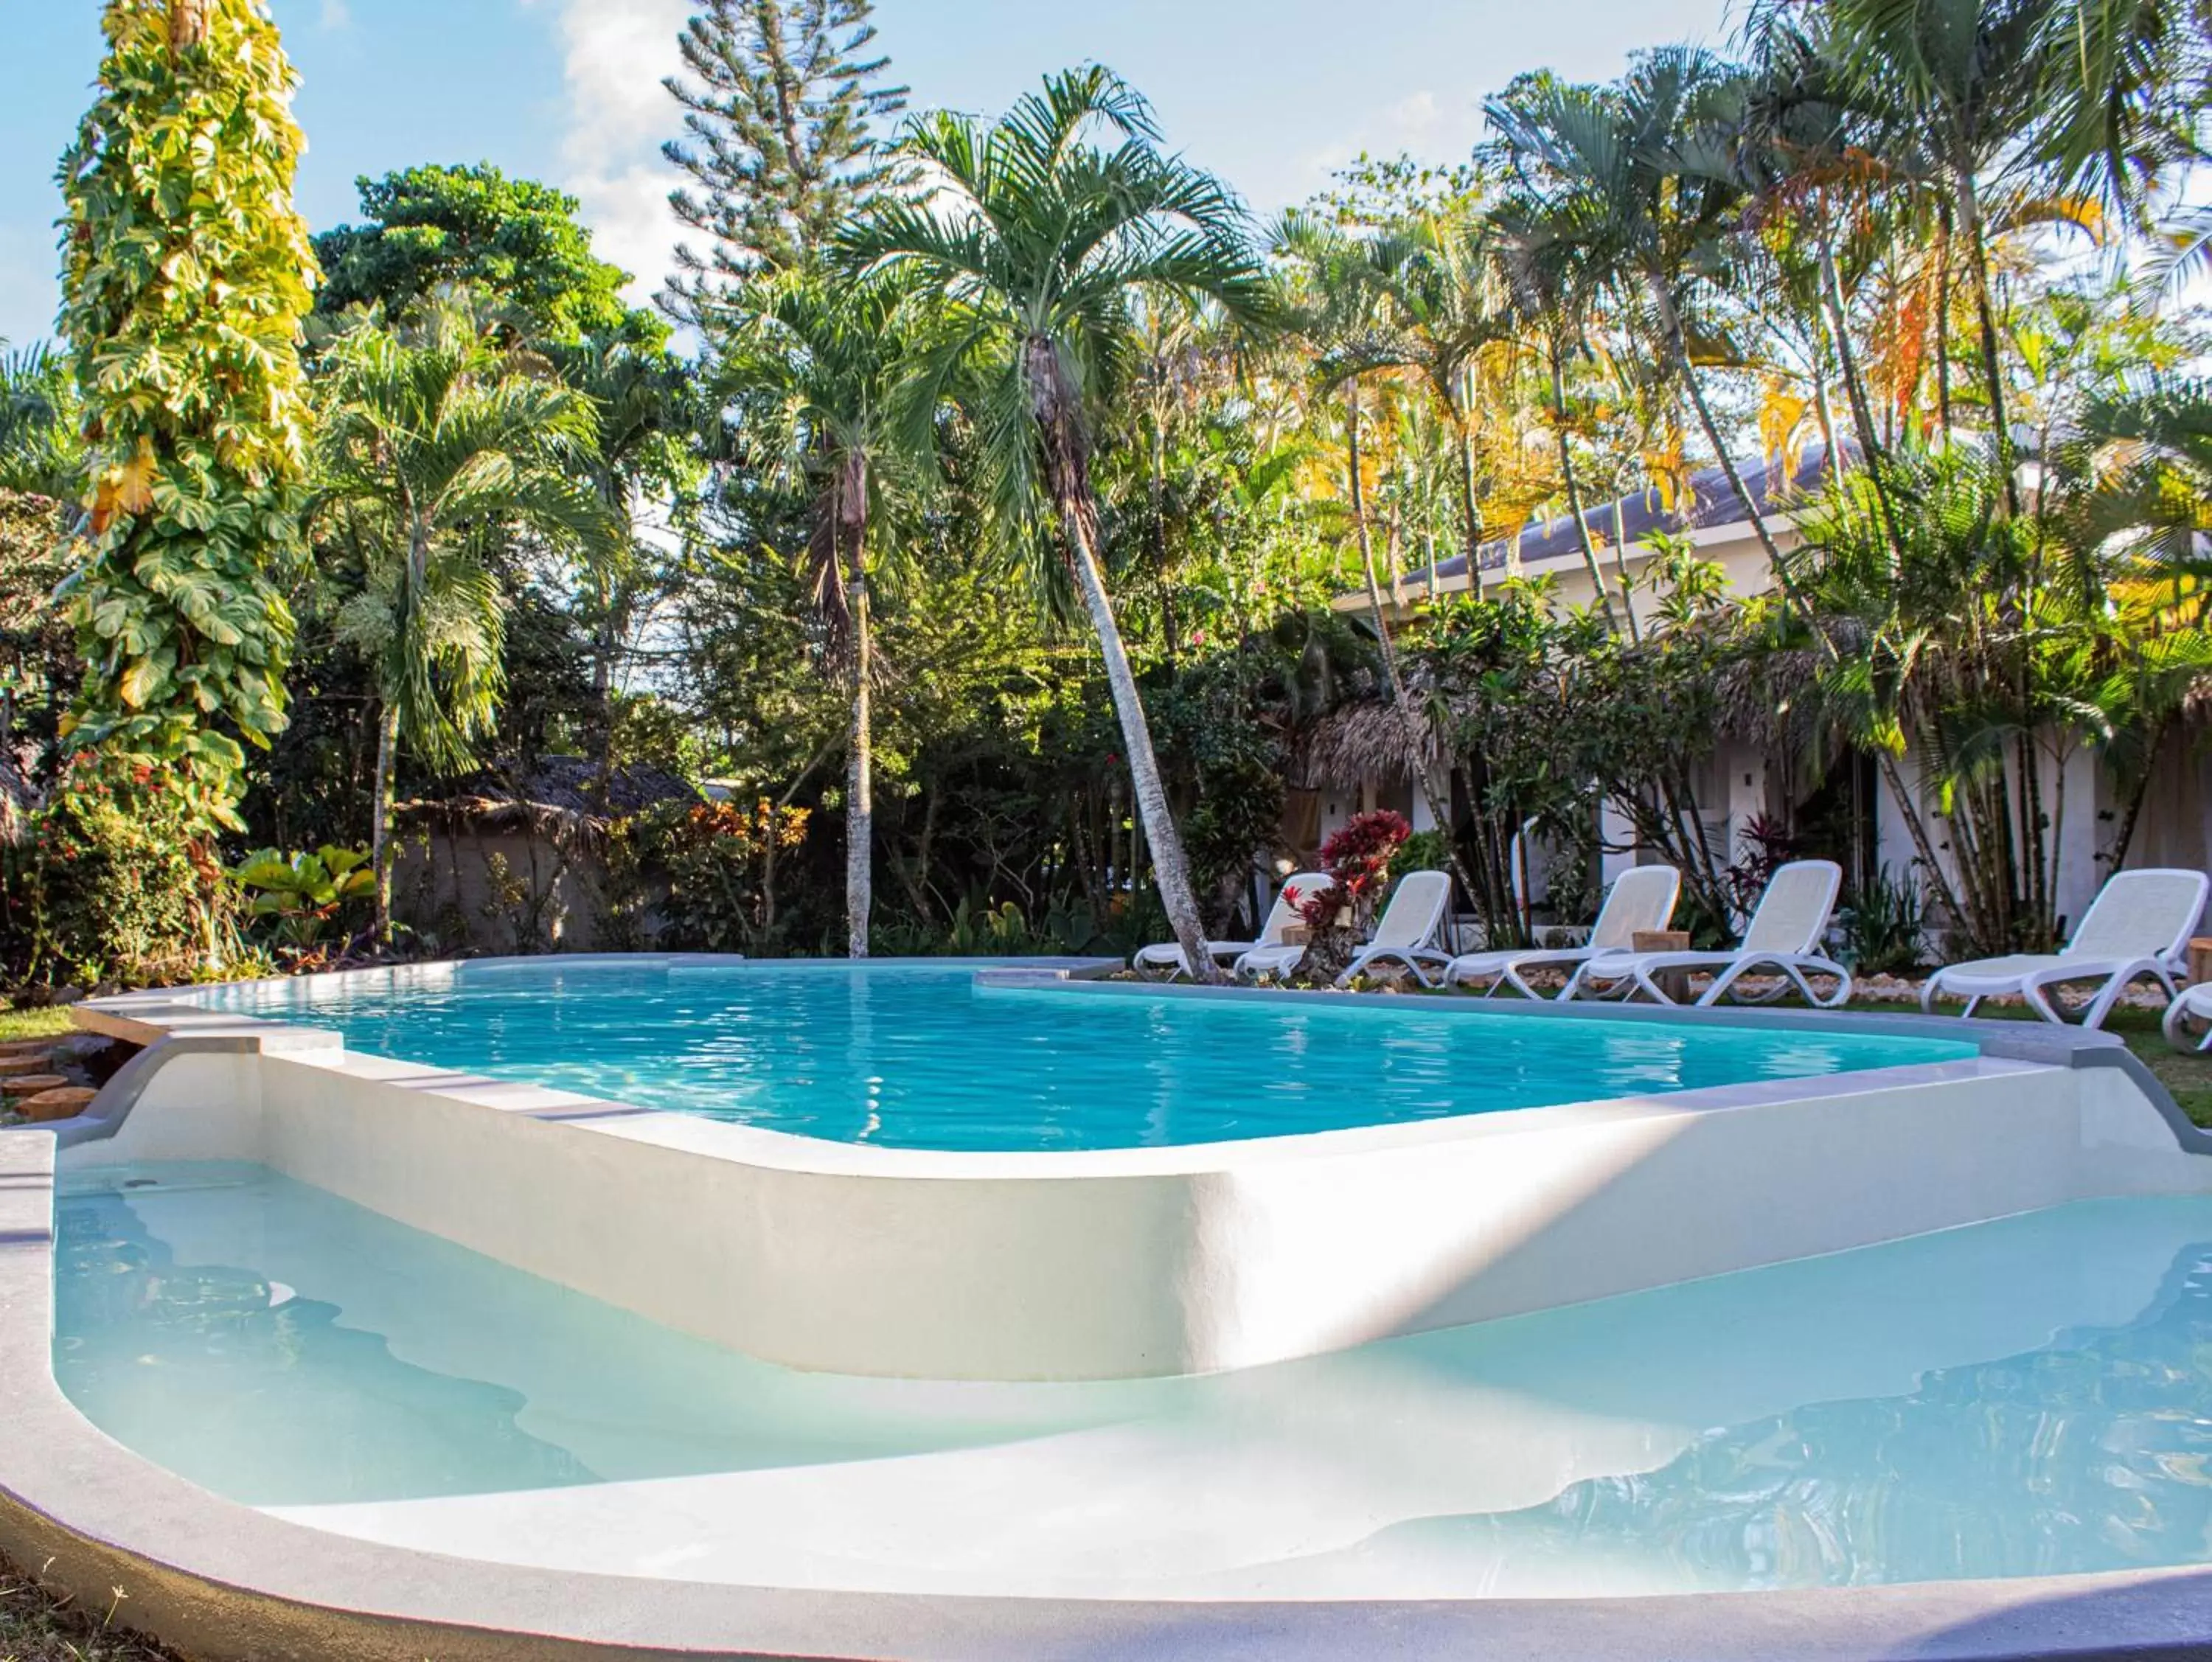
[(859, 754), (380, 850), (1054, 406), (1978, 263), (1574, 488), (1473, 507), (1416, 738)]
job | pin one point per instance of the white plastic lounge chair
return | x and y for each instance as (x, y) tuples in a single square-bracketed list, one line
[(1168, 955), (1411, 930), (1782, 936), (1642, 898), (2138, 927), (2191, 1004)]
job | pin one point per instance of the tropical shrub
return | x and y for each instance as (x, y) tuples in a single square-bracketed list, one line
[(1357, 857), (1884, 928), (112, 881), (186, 273), (707, 873), (300, 895)]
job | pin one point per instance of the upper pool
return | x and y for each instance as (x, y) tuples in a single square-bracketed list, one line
[(924, 1057)]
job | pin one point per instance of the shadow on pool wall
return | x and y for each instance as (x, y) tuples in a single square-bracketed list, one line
[(1137, 1262)]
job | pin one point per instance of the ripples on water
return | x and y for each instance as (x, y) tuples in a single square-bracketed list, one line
[(2030, 1397)]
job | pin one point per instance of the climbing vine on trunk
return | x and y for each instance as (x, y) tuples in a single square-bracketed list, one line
[(186, 273)]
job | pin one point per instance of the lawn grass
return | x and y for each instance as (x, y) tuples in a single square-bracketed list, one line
[(35, 1626), (52, 1022)]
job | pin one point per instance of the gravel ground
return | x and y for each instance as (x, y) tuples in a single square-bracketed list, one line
[(34, 1627)]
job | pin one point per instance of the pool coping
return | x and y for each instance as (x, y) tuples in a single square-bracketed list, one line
[(223, 1582)]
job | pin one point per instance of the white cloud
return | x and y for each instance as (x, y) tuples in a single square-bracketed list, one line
[(337, 14), (614, 53)]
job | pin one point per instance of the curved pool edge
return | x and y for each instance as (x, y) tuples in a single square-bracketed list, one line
[(225, 1583), (1137, 1263)]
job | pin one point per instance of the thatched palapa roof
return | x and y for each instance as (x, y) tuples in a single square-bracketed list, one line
[(1363, 739), (565, 796)]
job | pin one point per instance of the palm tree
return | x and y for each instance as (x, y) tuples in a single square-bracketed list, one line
[(830, 359), (1628, 173), (2030, 96), (436, 445), (1543, 246), (1348, 314), (41, 446), (1041, 242), (1451, 312)]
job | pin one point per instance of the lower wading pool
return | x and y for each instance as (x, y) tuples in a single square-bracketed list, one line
[(2031, 1395)]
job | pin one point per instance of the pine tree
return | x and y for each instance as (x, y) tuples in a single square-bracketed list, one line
[(778, 105)]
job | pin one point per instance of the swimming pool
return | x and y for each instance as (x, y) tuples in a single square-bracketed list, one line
[(2027, 1396), (927, 1057)]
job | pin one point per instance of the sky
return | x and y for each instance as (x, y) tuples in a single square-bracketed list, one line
[(1271, 94)]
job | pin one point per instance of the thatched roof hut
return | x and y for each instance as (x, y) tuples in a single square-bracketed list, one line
[(564, 798), (1363, 739)]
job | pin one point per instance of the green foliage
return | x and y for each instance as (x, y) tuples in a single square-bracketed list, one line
[(39, 666), (433, 440), (1884, 927), (110, 882), (41, 423), (301, 895), (512, 239), (707, 872), (187, 274), (1424, 851)]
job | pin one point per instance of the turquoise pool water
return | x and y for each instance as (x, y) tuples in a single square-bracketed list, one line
[(923, 1057), (2024, 1397)]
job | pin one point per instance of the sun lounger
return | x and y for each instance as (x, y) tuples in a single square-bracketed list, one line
[(2136, 929), (1642, 899), (1782, 937)]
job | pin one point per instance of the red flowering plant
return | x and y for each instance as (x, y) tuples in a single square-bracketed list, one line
[(1357, 857)]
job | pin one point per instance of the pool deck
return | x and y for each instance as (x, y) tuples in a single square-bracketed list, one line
[(222, 1580)]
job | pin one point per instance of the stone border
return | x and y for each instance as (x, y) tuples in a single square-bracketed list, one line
[(225, 1583)]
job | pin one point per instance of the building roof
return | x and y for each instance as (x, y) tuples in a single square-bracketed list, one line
[(1634, 519), (563, 791)]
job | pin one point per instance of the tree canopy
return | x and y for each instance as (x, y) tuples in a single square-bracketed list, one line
[(431, 226)]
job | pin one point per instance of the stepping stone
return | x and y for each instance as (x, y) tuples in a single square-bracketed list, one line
[(63, 1102), (22, 1047), (29, 1061), (29, 1084)]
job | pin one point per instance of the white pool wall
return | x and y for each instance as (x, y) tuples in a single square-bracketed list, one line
[(1134, 1263)]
